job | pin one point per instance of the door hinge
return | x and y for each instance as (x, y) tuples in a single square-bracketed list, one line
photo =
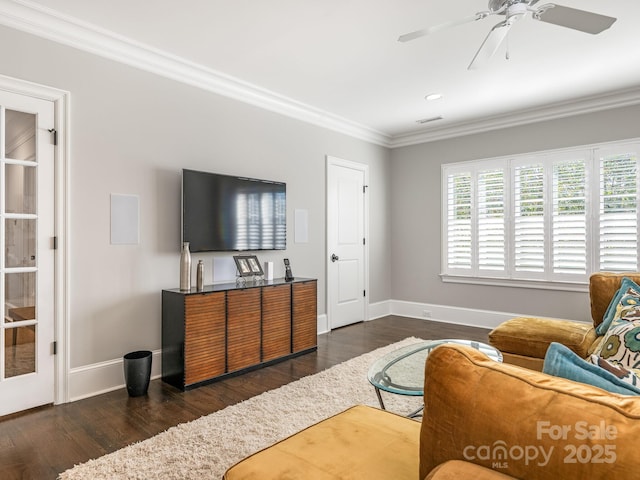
[(364, 241), (364, 293), (55, 135), (55, 347), (55, 243), (364, 188)]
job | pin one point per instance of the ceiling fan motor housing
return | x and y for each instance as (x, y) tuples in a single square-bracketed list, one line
[(505, 6), (495, 5)]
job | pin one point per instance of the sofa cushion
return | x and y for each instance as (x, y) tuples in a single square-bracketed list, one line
[(523, 361), (562, 362), (474, 406), (457, 469), (625, 303), (361, 442), (531, 336)]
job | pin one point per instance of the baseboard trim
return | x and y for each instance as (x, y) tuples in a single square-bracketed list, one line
[(323, 324), (103, 377), (470, 317), (379, 309), (90, 380)]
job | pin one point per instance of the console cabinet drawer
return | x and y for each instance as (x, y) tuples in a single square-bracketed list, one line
[(243, 328), (305, 329), (276, 322), (204, 339)]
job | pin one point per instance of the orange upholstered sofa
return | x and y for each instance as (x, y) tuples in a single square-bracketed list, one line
[(483, 420)]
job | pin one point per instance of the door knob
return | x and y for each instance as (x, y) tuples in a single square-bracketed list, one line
[(334, 258)]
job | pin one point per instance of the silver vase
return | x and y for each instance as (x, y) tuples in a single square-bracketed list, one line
[(185, 268), (200, 276)]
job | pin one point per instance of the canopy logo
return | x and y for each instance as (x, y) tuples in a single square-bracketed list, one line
[(586, 449), (499, 454)]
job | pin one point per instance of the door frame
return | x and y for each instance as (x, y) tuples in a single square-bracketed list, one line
[(364, 168), (60, 99)]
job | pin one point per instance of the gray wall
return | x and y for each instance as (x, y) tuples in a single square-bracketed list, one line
[(132, 132), (416, 211)]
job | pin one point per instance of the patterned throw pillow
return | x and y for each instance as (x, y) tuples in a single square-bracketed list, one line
[(619, 351), (631, 376)]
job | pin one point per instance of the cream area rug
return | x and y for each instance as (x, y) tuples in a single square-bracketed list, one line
[(206, 447)]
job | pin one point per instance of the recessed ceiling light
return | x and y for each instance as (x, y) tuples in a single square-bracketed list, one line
[(433, 96)]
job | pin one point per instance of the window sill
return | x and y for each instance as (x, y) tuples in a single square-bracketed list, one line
[(517, 283)]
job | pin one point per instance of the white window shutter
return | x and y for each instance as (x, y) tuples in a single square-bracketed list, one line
[(570, 217), (528, 233), (619, 211), (459, 206), (491, 220)]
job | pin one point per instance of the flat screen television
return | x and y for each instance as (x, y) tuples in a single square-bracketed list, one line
[(229, 213)]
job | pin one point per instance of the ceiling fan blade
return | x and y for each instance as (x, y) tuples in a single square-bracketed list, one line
[(490, 44), (407, 37), (581, 20), (436, 28)]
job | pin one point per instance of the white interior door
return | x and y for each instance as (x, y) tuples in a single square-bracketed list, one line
[(27, 265), (346, 242)]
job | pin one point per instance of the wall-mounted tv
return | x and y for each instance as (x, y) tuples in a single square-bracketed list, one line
[(229, 213)]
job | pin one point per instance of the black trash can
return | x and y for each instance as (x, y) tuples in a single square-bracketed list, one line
[(137, 372)]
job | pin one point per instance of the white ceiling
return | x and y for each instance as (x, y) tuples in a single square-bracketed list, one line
[(341, 57)]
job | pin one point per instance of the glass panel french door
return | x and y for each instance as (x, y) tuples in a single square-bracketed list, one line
[(27, 265)]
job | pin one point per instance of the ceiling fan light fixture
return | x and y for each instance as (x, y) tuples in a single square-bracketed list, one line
[(517, 10), (513, 10)]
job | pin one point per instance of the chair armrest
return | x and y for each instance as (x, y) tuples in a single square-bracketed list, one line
[(531, 336)]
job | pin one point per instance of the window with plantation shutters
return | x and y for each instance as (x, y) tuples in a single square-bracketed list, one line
[(549, 218)]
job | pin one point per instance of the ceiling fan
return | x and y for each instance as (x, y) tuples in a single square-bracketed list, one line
[(514, 10)]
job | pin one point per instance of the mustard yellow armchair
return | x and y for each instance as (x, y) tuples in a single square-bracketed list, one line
[(524, 341)]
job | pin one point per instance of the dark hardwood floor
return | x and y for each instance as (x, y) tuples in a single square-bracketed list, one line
[(41, 443)]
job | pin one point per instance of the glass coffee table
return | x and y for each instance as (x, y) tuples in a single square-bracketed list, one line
[(402, 371)]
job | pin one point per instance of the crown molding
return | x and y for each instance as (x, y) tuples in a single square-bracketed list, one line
[(47, 23), (584, 105), (44, 22)]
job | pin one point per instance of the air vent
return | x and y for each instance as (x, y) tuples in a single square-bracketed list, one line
[(427, 120)]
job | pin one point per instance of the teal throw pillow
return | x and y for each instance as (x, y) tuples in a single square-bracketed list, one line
[(560, 361), (624, 303)]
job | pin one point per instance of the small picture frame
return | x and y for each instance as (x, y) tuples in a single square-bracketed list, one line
[(254, 264), (248, 265)]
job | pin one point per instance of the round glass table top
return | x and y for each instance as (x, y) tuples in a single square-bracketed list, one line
[(402, 371)]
